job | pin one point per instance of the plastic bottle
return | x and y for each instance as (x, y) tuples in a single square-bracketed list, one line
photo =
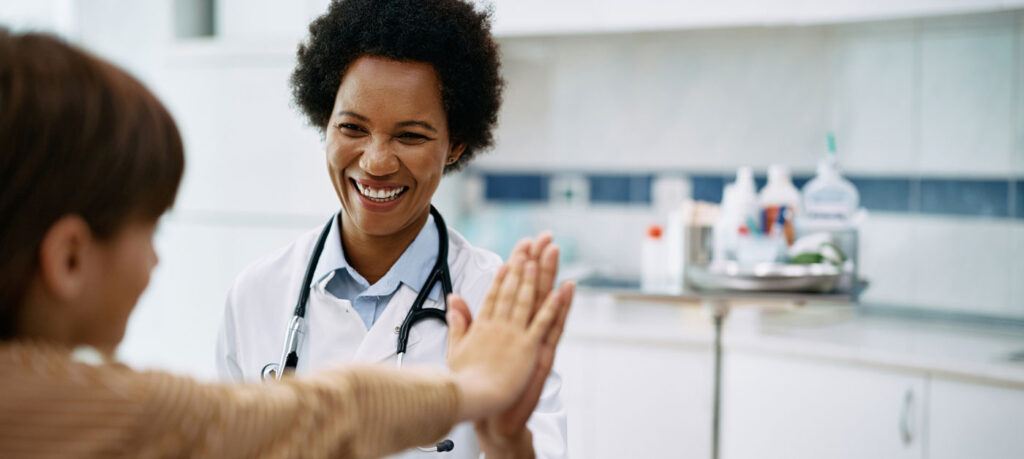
[(724, 231), (739, 205), (779, 199), (828, 197), (746, 194), (654, 266)]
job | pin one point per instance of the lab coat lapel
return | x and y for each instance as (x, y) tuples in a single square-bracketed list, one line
[(382, 340), (334, 330)]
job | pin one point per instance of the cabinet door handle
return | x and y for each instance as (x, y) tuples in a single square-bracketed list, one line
[(907, 419)]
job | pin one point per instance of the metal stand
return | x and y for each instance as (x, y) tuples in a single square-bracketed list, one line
[(719, 309)]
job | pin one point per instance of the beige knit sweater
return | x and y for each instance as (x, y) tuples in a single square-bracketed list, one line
[(54, 406)]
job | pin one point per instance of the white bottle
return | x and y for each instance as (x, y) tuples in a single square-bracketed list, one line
[(746, 194), (739, 206), (654, 265), (723, 233), (779, 200), (829, 198)]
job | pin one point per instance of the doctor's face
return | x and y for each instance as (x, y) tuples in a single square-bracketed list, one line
[(387, 144)]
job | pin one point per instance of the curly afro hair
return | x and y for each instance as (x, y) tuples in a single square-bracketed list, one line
[(448, 34)]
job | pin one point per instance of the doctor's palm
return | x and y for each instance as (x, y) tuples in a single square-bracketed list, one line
[(505, 429), (493, 359)]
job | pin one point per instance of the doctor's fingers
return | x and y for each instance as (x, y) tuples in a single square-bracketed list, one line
[(510, 287), (487, 309), (547, 271), (541, 242), (565, 294), (459, 319), (524, 306), (523, 248), (547, 317)]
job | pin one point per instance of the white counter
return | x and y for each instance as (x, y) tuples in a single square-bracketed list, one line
[(836, 333)]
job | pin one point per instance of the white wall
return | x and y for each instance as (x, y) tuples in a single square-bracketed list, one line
[(939, 97)]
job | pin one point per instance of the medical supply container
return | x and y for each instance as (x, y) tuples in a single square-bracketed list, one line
[(829, 197), (780, 202)]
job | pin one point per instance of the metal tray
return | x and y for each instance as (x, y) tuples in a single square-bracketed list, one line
[(764, 277)]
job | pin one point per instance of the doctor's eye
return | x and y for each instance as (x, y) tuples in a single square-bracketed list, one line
[(351, 130), (412, 138)]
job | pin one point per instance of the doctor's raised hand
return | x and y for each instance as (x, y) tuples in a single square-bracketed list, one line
[(505, 434), (493, 360)]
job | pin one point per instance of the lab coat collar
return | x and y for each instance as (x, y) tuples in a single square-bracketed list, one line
[(332, 257), (411, 268)]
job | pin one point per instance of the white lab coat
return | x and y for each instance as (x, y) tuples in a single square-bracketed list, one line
[(261, 302)]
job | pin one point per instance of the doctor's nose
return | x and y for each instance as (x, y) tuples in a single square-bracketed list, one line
[(378, 159)]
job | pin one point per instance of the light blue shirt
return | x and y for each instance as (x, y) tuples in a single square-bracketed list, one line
[(369, 301)]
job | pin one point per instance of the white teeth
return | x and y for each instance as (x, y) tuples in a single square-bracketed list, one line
[(379, 194)]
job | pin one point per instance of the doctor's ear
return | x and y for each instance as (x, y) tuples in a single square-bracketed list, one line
[(63, 257), (454, 153)]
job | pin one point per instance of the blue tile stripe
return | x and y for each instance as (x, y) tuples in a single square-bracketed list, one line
[(933, 196), (986, 198), (707, 187), (1019, 199), (883, 194), (516, 187), (620, 189)]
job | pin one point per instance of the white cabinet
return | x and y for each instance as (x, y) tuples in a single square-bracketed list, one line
[(778, 407), (974, 420), (630, 399)]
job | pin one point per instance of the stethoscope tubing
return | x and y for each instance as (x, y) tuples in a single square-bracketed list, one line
[(297, 326)]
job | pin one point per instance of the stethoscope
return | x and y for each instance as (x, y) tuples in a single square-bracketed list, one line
[(417, 313)]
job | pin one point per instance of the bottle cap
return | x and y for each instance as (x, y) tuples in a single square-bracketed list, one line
[(778, 172), (654, 231)]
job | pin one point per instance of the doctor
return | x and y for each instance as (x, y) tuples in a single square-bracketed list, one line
[(404, 91)]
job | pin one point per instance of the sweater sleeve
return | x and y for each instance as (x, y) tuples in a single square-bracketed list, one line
[(357, 412), (77, 410)]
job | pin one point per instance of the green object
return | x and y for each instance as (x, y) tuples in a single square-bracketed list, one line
[(831, 143), (833, 254), (807, 258)]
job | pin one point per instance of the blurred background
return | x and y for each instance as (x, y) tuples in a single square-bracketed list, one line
[(604, 101)]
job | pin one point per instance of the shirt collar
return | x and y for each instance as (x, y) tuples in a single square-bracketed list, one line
[(411, 268)]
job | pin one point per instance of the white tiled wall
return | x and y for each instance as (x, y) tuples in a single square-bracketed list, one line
[(967, 86), (873, 98), (1018, 119), (964, 265), (888, 259), (1017, 272), (700, 100), (935, 97)]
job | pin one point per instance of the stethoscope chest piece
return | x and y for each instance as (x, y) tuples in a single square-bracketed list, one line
[(269, 372)]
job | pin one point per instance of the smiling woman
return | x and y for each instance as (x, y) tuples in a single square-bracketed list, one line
[(386, 158), (402, 91)]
